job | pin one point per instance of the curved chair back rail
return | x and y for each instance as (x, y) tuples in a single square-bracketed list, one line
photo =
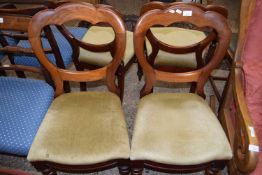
[(199, 18), (70, 12)]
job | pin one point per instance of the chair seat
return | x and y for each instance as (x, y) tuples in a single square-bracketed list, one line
[(176, 37), (178, 129), (23, 104), (82, 128), (103, 35), (63, 44)]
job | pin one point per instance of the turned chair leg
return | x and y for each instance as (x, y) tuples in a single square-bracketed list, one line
[(215, 168), (124, 167), (137, 167), (46, 170)]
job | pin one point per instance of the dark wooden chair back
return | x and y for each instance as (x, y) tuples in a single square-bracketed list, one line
[(69, 12), (166, 17)]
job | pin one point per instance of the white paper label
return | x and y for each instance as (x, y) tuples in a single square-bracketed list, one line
[(179, 11), (253, 148), (1, 20), (187, 13), (171, 11), (252, 131)]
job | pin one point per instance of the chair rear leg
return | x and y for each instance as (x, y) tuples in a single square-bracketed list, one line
[(139, 72), (121, 80), (215, 168), (124, 167), (41, 167), (137, 167)]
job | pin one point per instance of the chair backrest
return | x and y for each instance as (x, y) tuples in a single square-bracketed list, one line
[(166, 17), (77, 43), (198, 47), (79, 11)]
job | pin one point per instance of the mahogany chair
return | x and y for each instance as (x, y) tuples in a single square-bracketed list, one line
[(82, 131), (240, 112), (161, 41), (178, 132)]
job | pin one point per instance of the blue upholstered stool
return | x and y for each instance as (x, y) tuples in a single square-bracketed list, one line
[(23, 104), (63, 44)]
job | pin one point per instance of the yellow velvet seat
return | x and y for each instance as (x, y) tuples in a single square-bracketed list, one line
[(82, 128), (175, 36), (178, 129), (103, 35)]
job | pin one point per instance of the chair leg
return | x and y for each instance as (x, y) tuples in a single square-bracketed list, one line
[(139, 72), (20, 74), (121, 80), (215, 168), (67, 88), (45, 170), (124, 167), (137, 167)]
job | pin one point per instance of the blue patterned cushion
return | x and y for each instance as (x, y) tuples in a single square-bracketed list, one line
[(64, 47), (23, 104)]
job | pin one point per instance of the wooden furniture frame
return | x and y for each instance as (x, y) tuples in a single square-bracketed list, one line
[(200, 76), (58, 16), (240, 137), (198, 48)]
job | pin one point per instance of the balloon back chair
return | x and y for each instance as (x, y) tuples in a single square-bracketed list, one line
[(160, 42), (82, 131), (178, 132)]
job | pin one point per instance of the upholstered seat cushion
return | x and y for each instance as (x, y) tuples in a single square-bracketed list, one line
[(23, 104), (177, 129), (102, 35), (82, 128), (176, 37), (63, 44)]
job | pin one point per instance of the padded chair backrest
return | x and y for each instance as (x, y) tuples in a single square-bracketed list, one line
[(167, 17), (79, 11)]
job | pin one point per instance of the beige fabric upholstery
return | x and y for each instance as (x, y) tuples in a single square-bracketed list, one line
[(176, 37), (82, 128), (102, 35), (177, 129)]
